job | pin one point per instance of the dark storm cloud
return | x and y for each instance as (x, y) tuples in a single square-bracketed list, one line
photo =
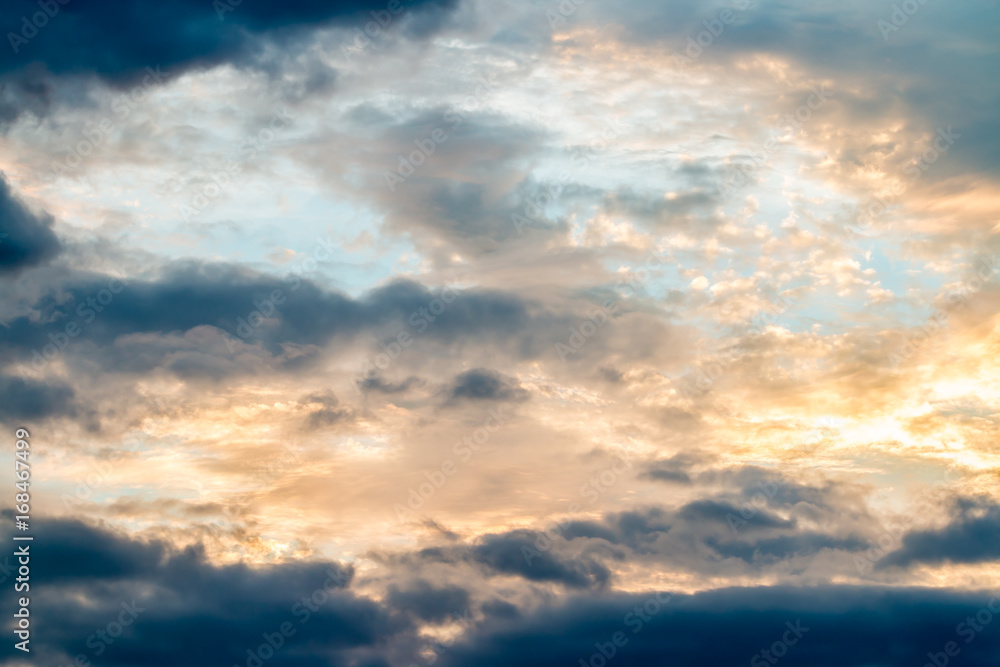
[(972, 536), (217, 321), (188, 296), (118, 39), (483, 384), (78, 552), (428, 602), (30, 399), (695, 537), (755, 485), (700, 522), (192, 612), (517, 553), (26, 240), (758, 537), (506, 553), (191, 295), (761, 521), (776, 549), (833, 627), (637, 529), (589, 530), (719, 512), (632, 528)]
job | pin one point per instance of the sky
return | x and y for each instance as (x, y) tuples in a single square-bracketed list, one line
[(473, 333)]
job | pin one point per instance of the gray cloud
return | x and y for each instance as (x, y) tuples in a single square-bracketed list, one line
[(26, 240), (971, 536), (483, 384)]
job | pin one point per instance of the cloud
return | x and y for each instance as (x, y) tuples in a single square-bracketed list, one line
[(517, 553), (776, 549), (972, 535), (230, 390), (86, 574), (117, 40), (121, 43), (718, 512), (329, 413), (26, 239), (732, 626), (483, 384), (676, 469), (506, 554), (192, 295), (382, 386), (428, 602), (175, 591), (26, 398), (464, 189)]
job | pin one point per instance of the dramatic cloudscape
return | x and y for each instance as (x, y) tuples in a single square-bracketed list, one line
[(467, 333)]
